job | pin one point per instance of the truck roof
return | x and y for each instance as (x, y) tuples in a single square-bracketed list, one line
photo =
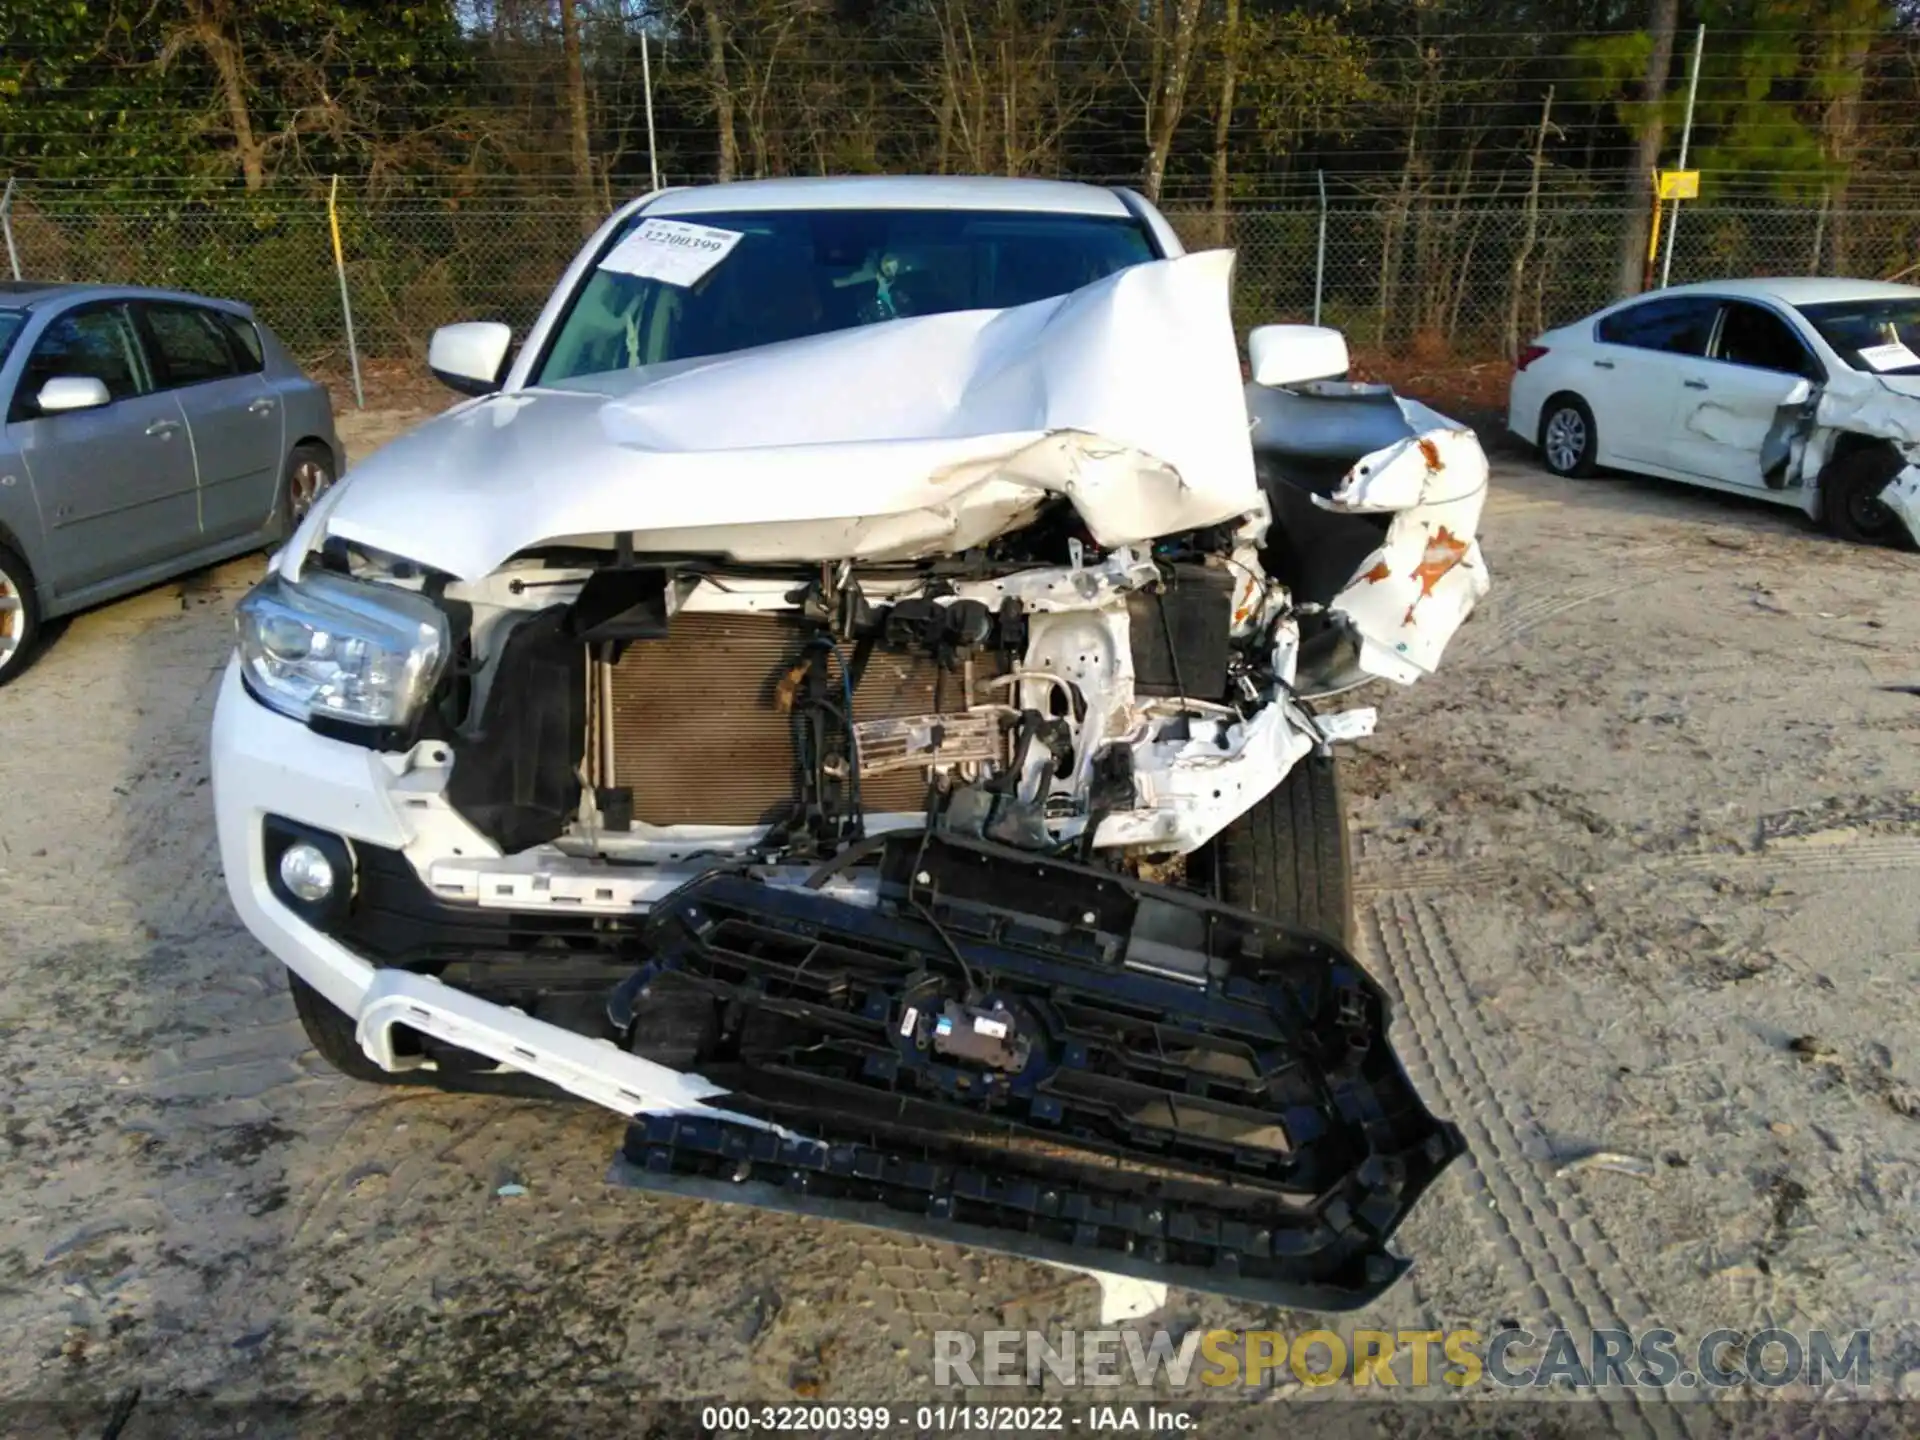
[(892, 192)]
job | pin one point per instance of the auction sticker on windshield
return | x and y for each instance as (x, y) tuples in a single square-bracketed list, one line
[(675, 251), (1889, 357)]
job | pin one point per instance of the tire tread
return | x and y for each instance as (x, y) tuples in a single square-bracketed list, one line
[(1290, 856)]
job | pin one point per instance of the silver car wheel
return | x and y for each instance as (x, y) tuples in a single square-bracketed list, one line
[(13, 618), (1566, 439), (306, 484)]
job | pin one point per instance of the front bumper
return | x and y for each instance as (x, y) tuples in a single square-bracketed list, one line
[(1146, 1083)]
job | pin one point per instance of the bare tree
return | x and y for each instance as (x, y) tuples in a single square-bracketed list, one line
[(1009, 82), (1175, 27), (577, 109), (714, 19), (1223, 114), (1631, 271), (1523, 253), (210, 27), (1843, 78)]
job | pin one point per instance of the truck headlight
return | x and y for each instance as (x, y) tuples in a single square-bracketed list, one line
[(334, 648)]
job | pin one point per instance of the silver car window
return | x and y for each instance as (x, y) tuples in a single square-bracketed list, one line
[(100, 343), (246, 335), (11, 323), (191, 346)]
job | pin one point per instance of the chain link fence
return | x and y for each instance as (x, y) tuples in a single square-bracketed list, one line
[(1428, 280)]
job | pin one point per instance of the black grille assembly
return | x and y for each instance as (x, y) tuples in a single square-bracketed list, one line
[(1042, 1058)]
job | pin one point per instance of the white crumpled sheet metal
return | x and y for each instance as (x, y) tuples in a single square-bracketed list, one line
[(1410, 596), (1870, 405), (1866, 405), (908, 438)]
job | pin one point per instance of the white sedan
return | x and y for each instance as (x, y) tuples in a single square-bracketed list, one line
[(1805, 392)]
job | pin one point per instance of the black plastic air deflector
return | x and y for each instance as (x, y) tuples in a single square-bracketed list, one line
[(514, 773), (1303, 446)]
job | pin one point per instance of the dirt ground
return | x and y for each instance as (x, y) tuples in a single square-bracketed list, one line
[(1642, 865)]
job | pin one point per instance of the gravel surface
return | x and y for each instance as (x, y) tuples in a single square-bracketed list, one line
[(1640, 864)]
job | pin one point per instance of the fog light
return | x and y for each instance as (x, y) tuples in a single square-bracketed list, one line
[(307, 874)]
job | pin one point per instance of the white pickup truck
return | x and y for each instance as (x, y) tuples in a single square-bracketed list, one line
[(842, 695)]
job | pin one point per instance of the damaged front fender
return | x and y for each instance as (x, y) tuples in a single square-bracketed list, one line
[(1376, 502), (1412, 594)]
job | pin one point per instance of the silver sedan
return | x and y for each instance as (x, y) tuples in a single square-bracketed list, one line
[(147, 433)]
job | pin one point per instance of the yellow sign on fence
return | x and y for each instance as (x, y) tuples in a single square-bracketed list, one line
[(1679, 184)]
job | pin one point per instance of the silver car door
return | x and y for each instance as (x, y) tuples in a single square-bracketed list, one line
[(115, 485), (232, 413)]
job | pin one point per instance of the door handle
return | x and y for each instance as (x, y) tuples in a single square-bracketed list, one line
[(1694, 384), (260, 407), (1603, 364), (163, 429)]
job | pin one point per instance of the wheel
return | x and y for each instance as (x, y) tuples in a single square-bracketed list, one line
[(19, 614), (331, 1030), (1290, 857), (1851, 503), (1568, 441), (309, 474)]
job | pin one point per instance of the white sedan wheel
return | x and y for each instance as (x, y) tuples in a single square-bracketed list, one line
[(1566, 438)]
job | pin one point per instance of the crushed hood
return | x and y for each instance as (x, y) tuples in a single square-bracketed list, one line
[(1884, 406), (909, 438)]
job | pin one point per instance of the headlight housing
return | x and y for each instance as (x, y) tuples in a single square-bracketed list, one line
[(338, 649)]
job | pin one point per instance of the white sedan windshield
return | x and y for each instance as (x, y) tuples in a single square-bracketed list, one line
[(1879, 336)]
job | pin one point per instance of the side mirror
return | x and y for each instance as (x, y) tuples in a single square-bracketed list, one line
[(1801, 392), (71, 392), (470, 357), (1294, 354)]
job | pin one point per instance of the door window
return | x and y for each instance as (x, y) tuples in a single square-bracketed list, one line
[(246, 336), (98, 343), (190, 345), (1677, 325), (1755, 336)]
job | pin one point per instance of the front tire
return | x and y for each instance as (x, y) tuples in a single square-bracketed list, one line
[(1850, 498), (1290, 857), (331, 1030), (1569, 442), (19, 614)]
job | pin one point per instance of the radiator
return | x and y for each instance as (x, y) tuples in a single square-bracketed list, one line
[(698, 736)]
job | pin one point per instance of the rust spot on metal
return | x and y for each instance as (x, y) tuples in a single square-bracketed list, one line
[(1378, 573), (1430, 452), (1444, 551), (789, 687)]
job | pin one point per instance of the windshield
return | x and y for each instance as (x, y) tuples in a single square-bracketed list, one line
[(10, 323), (802, 272), (1881, 336)]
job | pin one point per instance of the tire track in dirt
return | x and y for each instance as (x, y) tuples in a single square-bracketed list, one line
[(1533, 607), (1788, 861), (1563, 1266)]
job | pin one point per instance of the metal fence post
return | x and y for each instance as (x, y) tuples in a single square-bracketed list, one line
[(646, 74), (6, 225), (1686, 135), (346, 305), (1320, 259)]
